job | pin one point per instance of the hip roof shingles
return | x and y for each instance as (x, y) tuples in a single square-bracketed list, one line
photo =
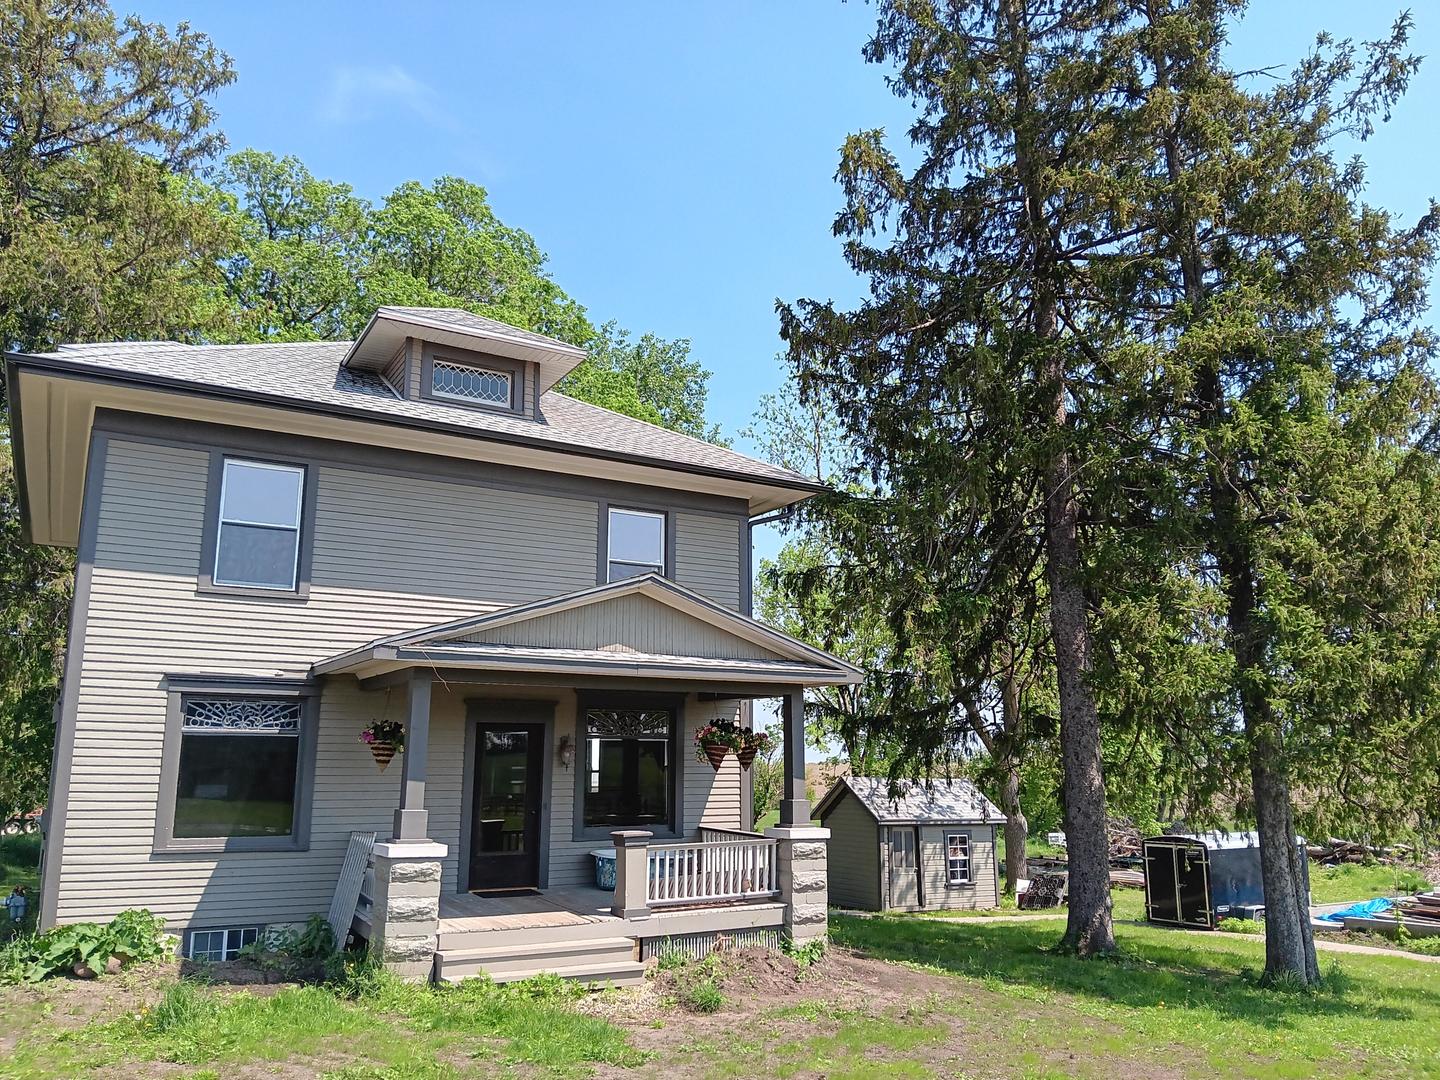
[(310, 372)]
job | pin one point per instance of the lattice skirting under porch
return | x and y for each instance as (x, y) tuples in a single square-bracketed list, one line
[(699, 946)]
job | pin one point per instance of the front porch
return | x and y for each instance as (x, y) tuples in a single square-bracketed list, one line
[(541, 767)]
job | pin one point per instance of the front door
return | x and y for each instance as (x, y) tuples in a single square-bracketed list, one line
[(904, 869), (505, 822)]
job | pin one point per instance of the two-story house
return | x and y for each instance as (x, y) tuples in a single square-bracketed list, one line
[(280, 544)]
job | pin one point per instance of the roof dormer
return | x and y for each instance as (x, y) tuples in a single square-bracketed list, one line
[(455, 356)]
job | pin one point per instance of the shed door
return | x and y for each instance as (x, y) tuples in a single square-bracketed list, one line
[(904, 869)]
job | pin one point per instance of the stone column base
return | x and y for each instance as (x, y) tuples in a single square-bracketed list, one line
[(802, 872), (405, 920)]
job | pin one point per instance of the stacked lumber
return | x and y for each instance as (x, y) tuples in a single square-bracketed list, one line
[(1424, 908), (1127, 879)]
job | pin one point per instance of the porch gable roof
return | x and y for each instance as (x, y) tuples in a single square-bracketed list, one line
[(641, 626)]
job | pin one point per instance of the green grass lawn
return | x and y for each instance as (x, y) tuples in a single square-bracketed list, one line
[(1189, 1002), (1352, 881)]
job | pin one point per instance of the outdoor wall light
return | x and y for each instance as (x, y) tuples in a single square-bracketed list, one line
[(565, 751)]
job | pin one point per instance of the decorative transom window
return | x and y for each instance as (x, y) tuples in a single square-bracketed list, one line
[(628, 768), (470, 383), (957, 858), (636, 543), (239, 763), (218, 945), (240, 715), (257, 542)]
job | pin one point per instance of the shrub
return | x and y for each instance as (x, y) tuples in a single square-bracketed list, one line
[(1241, 926), (84, 948)]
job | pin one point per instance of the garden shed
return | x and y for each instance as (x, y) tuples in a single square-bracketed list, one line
[(926, 846)]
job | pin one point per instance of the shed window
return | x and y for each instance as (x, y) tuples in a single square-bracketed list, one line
[(218, 945), (957, 859), (239, 762), (258, 539), (469, 383), (628, 768), (636, 543)]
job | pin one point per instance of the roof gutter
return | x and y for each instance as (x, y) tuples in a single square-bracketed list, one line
[(16, 361)]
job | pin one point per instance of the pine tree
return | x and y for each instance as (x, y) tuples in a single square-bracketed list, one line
[(965, 378)]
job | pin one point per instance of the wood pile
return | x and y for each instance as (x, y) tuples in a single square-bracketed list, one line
[(1335, 852), (1124, 840)]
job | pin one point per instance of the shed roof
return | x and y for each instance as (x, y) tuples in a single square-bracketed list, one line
[(937, 801)]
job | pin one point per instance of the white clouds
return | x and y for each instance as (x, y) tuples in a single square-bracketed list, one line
[(357, 94)]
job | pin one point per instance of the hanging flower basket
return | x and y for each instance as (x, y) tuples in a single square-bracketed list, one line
[(751, 744), (383, 753), (715, 740), (385, 738), (715, 754)]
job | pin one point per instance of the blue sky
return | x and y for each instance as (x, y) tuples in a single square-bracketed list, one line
[(675, 160)]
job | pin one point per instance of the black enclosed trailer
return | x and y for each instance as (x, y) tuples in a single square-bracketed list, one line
[(1197, 879)]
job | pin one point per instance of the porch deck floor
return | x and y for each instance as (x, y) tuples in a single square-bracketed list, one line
[(553, 907)]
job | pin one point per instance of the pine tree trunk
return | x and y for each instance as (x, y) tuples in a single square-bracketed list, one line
[(1089, 928), (1017, 828), (1087, 844), (1289, 940)]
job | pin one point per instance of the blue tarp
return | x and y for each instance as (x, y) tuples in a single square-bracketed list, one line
[(1363, 910)]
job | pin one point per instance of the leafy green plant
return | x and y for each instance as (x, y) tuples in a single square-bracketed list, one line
[(132, 936), (294, 953), (807, 954), (1241, 926)]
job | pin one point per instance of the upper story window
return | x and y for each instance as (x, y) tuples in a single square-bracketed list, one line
[(468, 383), (636, 543), (258, 538)]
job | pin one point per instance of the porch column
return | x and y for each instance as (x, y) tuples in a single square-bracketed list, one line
[(800, 848), (411, 819), (632, 873), (405, 914), (795, 807)]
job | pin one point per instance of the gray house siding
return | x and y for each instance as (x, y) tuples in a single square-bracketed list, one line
[(981, 892), (853, 855), (708, 555), (641, 622), (391, 553)]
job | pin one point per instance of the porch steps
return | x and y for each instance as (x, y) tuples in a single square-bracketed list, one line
[(460, 938), (590, 960)]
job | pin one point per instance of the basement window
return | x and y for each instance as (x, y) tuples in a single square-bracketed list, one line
[(217, 946)]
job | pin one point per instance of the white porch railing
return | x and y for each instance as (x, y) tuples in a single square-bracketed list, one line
[(739, 866)]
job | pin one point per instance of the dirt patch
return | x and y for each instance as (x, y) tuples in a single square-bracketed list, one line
[(776, 1012)]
